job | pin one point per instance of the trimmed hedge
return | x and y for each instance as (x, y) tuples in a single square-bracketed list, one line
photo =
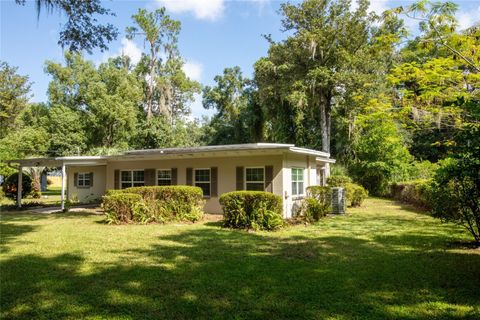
[(256, 210), (121, 207), (318, 202), (160, 204), (355, 193), (415, 192)]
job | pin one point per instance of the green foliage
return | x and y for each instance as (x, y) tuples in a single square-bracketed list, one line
[(14, 95), (318, 202), (10, 186), (416, 192), (238, 118), (81, 31), (167, 89), (103, 100), (355, 193), (380, 153), (337, 169), (455, 192), (338, 181), (256, 210), (328, 65), (162, 204), (121, 207)]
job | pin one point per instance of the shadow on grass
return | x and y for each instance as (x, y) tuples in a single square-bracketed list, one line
[(11, 231), (215, 273)]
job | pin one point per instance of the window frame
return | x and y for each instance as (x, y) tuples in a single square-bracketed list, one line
[(121, 182), (246, 182), (84, 174), (297, 182), (194, 180), (158, 178)]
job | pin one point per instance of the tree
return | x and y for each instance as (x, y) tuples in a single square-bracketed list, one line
[(238, 117), (436, 80), (334, 55), (82, 30), (106, 98), (381, 156), (455, 192), (161, 34), (14, 95)]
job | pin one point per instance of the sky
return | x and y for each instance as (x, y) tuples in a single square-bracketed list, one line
[(215, 34)]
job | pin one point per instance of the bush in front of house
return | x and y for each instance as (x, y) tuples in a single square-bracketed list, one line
[(10, 186), (355, 193), (121, 207), (256, 210), (415, 192), (163, 203), (318, 202)]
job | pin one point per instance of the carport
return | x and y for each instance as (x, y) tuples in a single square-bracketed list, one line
[(54, 162)]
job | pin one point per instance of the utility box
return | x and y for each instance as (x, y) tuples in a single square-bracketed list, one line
[(338, 200)]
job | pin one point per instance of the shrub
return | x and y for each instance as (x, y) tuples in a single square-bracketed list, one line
[(36, 194), (2, 195), (414, 192), (10, 186), (120, 207), (355, 193), (49, 182), (455, 191), (165, 203), (252, 210), (338, 181), (318, 202)]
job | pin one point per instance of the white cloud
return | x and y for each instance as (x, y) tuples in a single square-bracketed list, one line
[(198, 111), (193, 70), (201, 9), (467, 19), (130, 49), (377, 6)]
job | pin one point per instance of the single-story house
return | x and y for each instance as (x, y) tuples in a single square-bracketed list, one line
[(283, 169)]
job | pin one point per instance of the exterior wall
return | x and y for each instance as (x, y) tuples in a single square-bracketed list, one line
[(226, 171), (90, 194), (292, 203)]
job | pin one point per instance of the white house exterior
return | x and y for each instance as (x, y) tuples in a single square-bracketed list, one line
[(282, 169)]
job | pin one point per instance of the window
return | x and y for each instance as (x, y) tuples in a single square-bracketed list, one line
[(132, 178), (83, 179), (255, 179), (202, 180), (297, 181), (164, 177)]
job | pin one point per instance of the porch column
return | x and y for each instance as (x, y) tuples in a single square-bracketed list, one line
[(64, 176), (19, 187)]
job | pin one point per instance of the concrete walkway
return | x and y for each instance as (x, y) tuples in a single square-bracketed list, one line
[(90, 208)]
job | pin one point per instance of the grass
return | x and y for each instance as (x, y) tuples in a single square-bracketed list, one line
[(379, 262), (53, 198)]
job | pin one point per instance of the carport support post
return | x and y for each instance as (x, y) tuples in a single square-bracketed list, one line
[(19, 187), (64, 176)]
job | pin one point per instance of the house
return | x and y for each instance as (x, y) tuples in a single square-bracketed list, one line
[(283, 169)]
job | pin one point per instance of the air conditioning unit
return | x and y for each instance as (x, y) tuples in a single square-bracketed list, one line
[(338, 200)]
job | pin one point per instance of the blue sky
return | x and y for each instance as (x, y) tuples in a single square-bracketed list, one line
[(215, 34)]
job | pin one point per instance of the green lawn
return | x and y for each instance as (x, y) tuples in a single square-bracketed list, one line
[(379, 262), (53, 197)]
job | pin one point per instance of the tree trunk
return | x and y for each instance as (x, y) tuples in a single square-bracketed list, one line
[(325, 108)]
